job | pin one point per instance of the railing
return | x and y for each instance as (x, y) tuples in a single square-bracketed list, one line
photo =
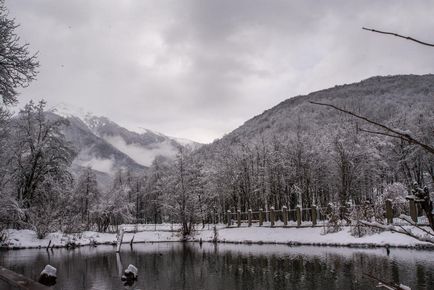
[(310, 216), (296, 217)]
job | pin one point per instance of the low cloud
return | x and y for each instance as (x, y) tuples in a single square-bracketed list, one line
[(138, 153), (98, 164)]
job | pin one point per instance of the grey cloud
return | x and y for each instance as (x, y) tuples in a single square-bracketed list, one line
[(198, 69)]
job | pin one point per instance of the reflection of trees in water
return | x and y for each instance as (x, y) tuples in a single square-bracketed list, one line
[(188, 267)]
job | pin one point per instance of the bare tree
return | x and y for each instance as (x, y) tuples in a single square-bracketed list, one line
[(87, 194)]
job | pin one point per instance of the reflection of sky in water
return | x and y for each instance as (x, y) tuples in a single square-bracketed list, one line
[(227, 266)]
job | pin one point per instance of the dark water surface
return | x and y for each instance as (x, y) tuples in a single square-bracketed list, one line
[(226, 267)]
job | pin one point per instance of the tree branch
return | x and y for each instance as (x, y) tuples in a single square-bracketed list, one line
[(410, 221), (379, 133), (385, 285), (400, 230), (398, 35), (403, 136)]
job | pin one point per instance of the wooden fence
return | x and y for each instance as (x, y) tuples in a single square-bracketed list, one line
[(296, 217)]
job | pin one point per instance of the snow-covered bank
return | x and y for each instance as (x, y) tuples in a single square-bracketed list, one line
[(20, 239), (248, 235), (310, 236)]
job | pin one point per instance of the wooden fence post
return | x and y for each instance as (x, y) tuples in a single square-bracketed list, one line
[(314, 215), (298, 212), (413, 210), (261, 217), (249, 215), (120, 237), (229, 214), (285, 215), (389, 211), (272, 216), (238, 218)]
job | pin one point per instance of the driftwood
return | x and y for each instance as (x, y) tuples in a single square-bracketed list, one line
[(119, 239), (18, 281), (131, 242)]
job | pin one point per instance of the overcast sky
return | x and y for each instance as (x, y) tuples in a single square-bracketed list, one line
[(199, 69)]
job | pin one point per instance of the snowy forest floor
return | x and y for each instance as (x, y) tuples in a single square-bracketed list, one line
[(19, 239)]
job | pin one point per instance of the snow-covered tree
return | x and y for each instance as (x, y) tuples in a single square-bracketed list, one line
[(182, 194), (86, 194), (40, 153), (154, 189), (48, 210), (5, 150), (17, 69), (113, 209), (17, 65)]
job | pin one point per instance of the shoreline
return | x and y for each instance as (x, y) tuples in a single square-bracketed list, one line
[(26, 239), (332, 245), (246, 243)]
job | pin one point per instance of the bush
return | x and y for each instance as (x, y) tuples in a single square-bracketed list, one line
[(334, 223), (366, 212)]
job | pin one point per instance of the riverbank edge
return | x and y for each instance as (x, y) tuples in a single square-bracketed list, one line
[(334, 245), (424, 247)]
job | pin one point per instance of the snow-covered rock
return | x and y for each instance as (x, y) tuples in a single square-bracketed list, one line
[(131, 272), (48, 276)]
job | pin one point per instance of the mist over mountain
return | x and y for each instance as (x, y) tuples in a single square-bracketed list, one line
[(107, 147)]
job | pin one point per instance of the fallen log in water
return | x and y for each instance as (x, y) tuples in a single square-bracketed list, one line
[(10, 279)]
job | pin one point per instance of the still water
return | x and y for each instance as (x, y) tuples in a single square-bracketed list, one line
[(225, 266)]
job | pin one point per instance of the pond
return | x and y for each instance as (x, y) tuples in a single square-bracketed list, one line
[(226, 266)]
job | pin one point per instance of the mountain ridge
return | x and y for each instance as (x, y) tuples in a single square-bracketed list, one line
[(381, 98), (107, 147)]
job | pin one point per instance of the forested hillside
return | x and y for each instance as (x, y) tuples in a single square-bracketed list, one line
[(295, 153), (298, 153), (395, 100), (322, 152)]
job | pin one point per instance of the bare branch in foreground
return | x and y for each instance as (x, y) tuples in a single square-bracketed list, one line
[(379, 133), (398, 35), (396, 133), (408, 219), (386, 285), (428, 237)]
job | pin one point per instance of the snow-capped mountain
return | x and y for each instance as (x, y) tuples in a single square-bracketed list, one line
[(106, 146), (141, 147)]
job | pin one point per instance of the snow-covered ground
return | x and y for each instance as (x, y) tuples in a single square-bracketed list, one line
[(309, 236), (247, 235), (28, 239)]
